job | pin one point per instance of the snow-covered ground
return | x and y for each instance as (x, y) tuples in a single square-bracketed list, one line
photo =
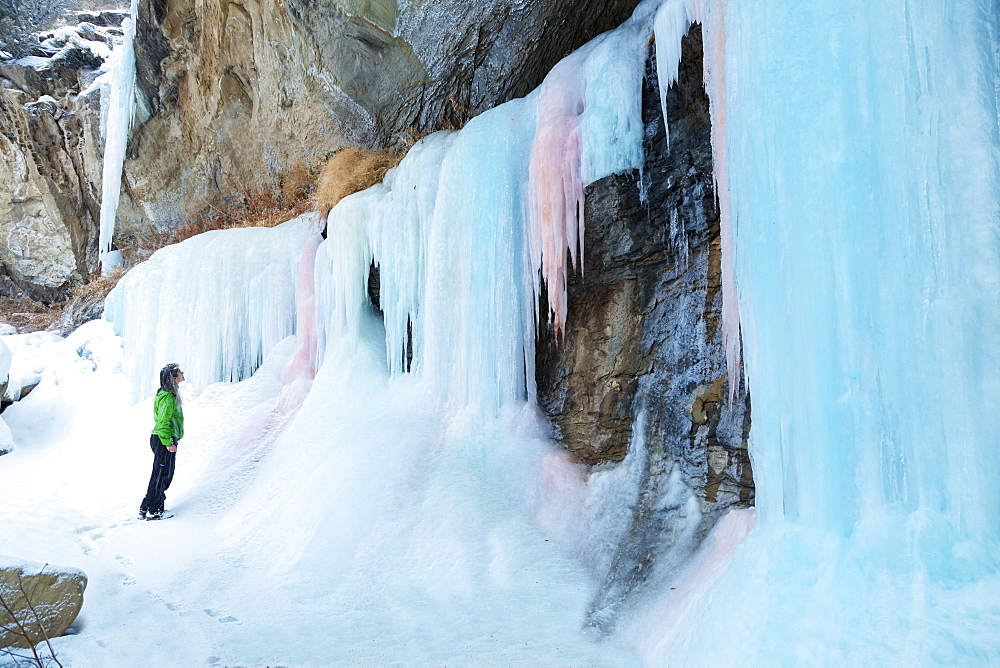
[(359, 528)]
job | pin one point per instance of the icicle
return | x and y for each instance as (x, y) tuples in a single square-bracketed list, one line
[(306, 360), (216, 304), (118, 121), (671, 24), (556, 186), (714, 38), (589, 126)]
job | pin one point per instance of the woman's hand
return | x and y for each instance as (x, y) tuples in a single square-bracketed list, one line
[(171, 448)]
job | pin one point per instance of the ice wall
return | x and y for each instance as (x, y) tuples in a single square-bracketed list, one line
[(862, 150), (216, 304), (868, 202), (466, 229)]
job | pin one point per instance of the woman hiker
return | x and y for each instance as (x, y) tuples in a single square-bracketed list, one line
[(167, 430)]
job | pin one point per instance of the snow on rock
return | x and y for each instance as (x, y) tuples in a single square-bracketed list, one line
[(39, 601), (29, 356), (5, 358), (6, 439)]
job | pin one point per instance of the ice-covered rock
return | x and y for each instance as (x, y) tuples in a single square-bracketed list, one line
[(643, 337)]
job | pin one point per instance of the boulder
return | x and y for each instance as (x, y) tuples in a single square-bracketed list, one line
[(37, 601)]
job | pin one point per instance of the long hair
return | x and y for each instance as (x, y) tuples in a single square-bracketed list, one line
[(167, 382)]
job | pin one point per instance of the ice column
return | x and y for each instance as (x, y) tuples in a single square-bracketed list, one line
[(447, 232), (863, 153), (118, 121)]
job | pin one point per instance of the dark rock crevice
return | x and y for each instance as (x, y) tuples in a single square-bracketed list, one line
[(641, 372)]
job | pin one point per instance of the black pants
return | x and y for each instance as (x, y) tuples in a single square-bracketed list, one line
[(159, 479)]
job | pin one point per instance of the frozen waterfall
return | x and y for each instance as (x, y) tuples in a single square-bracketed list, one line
[(216, 303), (856, 150), (862, 155)]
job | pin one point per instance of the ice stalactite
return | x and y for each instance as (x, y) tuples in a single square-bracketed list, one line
[(117, 112), (446, 232), (589, 126), (216, 304), (556, 183)]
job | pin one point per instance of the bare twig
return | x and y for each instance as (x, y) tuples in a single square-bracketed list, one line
[(21, 629), (20, 632), (38, 620)]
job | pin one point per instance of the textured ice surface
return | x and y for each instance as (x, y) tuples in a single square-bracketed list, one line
[(216, 303), (862, 152)]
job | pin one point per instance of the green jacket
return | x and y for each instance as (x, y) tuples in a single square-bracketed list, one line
[(168, 418)]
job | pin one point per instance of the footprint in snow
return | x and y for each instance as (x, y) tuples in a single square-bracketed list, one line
[(85, 529), (225, 620)]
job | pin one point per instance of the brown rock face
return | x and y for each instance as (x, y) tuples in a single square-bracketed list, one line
[(233, 95), (51, 154), (37, 601), (641, 372), (240, 92)]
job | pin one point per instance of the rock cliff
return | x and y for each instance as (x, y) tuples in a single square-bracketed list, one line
[(233, 95), (641, 372), (249, 90), (51, 153)]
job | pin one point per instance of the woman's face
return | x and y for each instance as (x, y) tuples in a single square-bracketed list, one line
[(179, 377)]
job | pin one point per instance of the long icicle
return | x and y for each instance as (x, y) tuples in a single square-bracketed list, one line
[(120, 112)]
